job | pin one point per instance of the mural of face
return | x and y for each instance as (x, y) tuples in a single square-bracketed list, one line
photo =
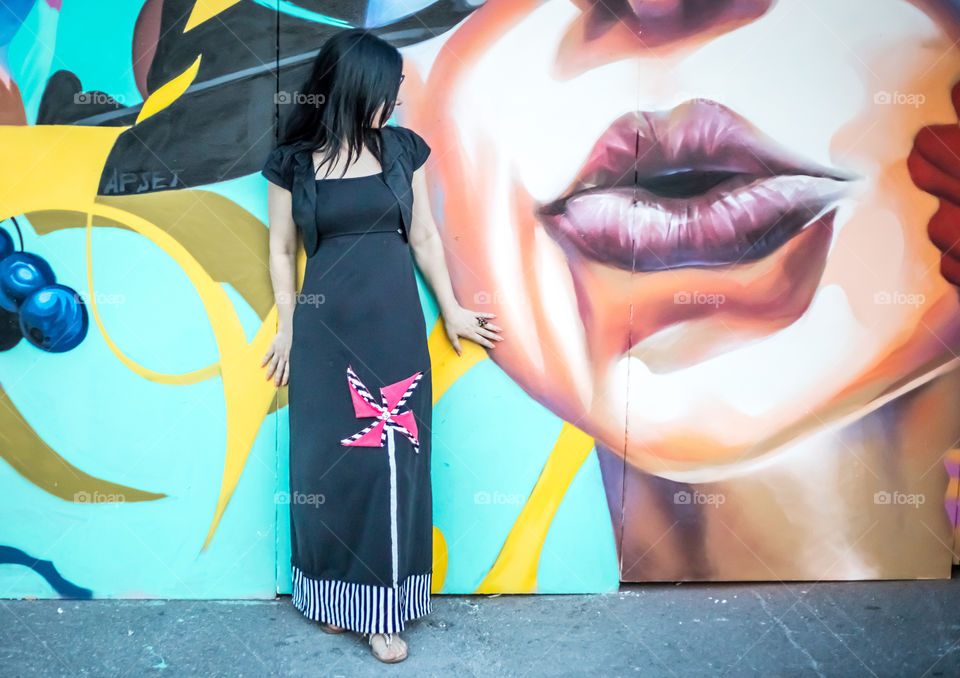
[(700, 231)]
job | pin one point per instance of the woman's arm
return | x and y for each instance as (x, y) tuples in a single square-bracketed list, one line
[(428, 254), (283, 261)]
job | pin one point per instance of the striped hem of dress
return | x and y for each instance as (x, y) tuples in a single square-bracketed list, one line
[(362, 607)]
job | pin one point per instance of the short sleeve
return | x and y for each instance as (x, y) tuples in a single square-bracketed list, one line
[(277, 168), (419, 149)]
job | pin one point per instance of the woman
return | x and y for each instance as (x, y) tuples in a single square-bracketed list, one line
[(353, 345)]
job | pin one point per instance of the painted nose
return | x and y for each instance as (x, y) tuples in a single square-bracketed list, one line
[(660, 22), (661, 7)]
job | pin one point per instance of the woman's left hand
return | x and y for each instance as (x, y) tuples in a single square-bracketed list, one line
[(462, 322)]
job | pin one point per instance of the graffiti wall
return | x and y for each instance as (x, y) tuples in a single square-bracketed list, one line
[(722, 240)]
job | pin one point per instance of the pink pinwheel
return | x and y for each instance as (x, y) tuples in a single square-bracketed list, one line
[(389, 418), (388, 414)]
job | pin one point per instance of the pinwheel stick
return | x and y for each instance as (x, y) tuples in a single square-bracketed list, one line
[(393, 501)]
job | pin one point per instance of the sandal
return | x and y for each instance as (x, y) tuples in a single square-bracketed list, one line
[(330, 628), (388, 642)]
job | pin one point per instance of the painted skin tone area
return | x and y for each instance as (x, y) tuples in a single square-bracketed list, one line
[(693, 273)]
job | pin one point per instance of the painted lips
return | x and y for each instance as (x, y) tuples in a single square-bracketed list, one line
[(694, 186)]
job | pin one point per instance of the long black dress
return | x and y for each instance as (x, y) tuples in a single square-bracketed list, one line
[(360, 415)]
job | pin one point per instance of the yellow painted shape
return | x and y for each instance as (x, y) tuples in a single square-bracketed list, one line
[(48, 167), (228, 241), (59, 167), (247, 393), (183, 379), (31, 457), (445, 365), (515, 569), (192, 377), (207, 9), (439, 560), (169, 92)]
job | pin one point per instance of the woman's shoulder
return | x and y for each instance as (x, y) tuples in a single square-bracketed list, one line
[(414, 145), (280, 163), (404, 133)]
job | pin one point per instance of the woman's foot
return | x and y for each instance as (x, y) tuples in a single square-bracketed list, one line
[(387, 647), (331, 628)]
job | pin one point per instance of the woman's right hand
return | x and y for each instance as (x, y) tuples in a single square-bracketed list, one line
[(279, 358)]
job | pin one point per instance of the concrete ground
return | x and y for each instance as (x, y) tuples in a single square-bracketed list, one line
[(897, 629)]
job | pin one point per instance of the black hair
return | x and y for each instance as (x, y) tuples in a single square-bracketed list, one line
[(354, 74)]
